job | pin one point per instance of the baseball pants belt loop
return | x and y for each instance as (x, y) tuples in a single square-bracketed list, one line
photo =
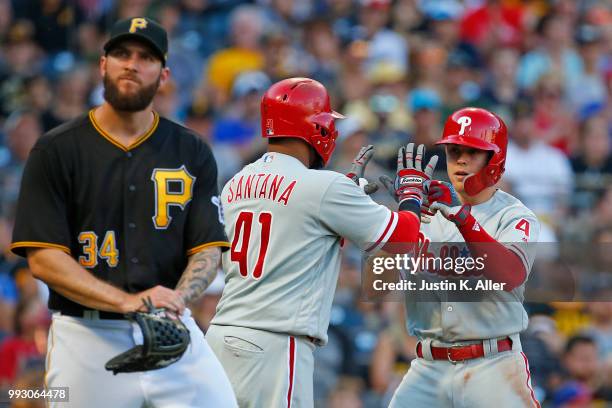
[(490, 347), (458, 353), (423, 349)]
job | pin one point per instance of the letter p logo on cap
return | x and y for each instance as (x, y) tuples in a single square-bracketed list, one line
[(137, 23)]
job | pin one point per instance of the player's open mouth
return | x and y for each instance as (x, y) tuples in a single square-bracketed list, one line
[(461, 173)]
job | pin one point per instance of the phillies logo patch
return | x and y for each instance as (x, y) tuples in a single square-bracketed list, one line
[(269, 127), (464, 121)]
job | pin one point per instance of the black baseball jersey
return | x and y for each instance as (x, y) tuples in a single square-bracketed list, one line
[(130, 215)]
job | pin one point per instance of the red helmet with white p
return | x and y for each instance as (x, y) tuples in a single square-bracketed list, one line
[(480, 129), (300, 108)]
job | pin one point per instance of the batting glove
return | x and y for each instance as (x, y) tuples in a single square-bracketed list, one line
[(408, 184), (459, 216), (358, 167), (437, 191)]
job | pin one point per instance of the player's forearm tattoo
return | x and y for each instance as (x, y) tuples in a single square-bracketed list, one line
[(200, 271)]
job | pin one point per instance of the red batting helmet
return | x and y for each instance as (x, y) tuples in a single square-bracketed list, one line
[(484, 130), (299, 107)]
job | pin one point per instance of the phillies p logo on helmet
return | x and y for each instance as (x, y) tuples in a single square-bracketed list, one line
[(464, 121)]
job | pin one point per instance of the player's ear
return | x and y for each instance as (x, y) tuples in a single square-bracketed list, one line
[(102, 65), (163, 77)]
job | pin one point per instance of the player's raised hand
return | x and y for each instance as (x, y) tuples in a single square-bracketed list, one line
[(410, 175), (437, 191), (457, 215), (441, 196), (161, 297), (357, 171)]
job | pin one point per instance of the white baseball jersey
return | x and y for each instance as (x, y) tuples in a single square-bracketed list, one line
[(286, 222), (499, 313)]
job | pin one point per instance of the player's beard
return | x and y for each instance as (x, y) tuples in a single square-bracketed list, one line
[(129, 103)]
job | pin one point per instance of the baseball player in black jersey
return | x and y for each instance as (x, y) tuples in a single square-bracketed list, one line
[(117, 206)]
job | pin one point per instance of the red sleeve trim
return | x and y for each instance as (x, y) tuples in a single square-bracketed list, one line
[(391, 224)]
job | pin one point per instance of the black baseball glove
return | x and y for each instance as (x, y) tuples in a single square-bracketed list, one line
[(165, 342)]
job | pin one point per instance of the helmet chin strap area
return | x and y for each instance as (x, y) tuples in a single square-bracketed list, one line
[(317, 162)]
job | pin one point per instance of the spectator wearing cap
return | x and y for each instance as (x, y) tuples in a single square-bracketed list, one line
[(442, 20), (587, 91), (246, 29), (540, 175), (200, 117), (442, 23), (554, 52)]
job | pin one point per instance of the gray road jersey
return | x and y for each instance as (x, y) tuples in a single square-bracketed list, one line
[(507, 220), (285, 222)]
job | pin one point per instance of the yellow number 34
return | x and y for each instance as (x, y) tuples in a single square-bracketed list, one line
[(107, 251)]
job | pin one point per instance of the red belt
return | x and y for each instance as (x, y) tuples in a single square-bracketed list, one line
[(461, 353)]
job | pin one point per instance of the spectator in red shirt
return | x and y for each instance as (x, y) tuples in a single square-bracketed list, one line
[(29, 342), (554, 123), (493, 25)]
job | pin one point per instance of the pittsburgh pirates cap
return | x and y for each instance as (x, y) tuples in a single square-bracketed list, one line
[(143, 29)]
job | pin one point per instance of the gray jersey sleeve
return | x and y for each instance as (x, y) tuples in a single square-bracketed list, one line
[(347, 211), (519, 232)]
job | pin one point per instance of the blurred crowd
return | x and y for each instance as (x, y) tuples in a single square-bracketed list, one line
[(396, 69)]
